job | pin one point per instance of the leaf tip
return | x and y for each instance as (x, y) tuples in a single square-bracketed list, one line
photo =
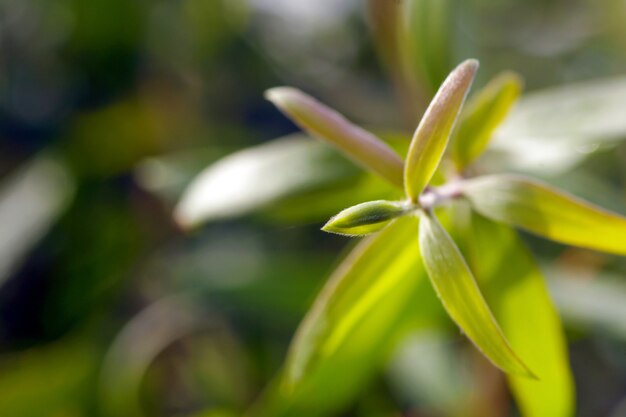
[(433, 132), (338, 226), (513, 78), (329, 226), (280, 96), (471, 65), (465, 71), (365, 218), (183, 218)]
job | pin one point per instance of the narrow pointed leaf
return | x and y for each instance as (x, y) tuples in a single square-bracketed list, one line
[(365, 218), (431, 137), (426, 41), (325, 123), (515, 289), (352, 325), (45, 187), (358, 285), (550, 131), (461, 297), (547, 212), (252, 178), (482, 115), (386, 20)]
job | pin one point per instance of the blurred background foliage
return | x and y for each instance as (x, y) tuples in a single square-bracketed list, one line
[(108, 109)]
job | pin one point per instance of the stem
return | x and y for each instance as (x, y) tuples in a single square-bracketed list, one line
[(435, 196)]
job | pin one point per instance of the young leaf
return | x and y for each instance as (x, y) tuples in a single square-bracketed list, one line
[(365, 218), (515, 289), (325, 123), (461, 297), (433, 132), (547, 212), (480, 117)]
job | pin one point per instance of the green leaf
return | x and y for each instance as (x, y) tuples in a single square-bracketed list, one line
[(255, 177), (425, 41), (353, 324), (431, 137), (315, 205), (366, 218), (515, 289), (551, 130), (364, 279), (325, 123), (461, 297), (482, 115), (386, 23), (547, 212)]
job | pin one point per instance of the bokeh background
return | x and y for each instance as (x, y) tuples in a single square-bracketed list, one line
[(109, 108)]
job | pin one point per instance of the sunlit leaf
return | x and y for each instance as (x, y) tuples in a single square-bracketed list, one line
[(482, 115), (432, 134), (353, 323), (547, 212), (461, 297), (251, 178), (515, 289), (551, 130), (303, 181), (319, 204), (364, 279), (167, 176), (31, 199), (366, 218), (325, 123)]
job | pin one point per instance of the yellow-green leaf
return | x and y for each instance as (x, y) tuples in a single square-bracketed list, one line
[(515, 289), (482, 115), (353, 324), (461, 297), (366, 218), (547, 212), (431, 137), (325, 123), (362, 281)]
